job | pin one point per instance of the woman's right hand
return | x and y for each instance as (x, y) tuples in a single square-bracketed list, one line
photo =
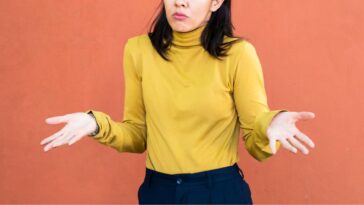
[(79, 125)]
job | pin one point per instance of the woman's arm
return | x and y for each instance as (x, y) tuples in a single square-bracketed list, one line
[(251, 103), (130, 134)]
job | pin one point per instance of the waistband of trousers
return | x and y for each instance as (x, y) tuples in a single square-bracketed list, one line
[(214, 175)]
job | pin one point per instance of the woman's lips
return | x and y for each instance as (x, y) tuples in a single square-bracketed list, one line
[(179, 16)]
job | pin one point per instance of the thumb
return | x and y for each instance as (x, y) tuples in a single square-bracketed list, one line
[(56, 119), (272, 145), (305, 115)]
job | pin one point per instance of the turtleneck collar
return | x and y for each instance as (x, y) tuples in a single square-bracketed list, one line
[(189, 38)]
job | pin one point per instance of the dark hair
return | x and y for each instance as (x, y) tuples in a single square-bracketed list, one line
[(212, 37)]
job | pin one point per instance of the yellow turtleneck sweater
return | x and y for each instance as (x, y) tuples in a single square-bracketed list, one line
[(188, 113)]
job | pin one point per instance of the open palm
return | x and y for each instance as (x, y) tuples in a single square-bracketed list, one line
[(283, 129), (78, 125)]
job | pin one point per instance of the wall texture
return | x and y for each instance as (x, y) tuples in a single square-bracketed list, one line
[(63, 56)]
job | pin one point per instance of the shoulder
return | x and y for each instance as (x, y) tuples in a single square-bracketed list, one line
[(241, 46), (135, 46), (138, 41)]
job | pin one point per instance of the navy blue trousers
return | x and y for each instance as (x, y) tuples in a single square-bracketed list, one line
[(224, 185)]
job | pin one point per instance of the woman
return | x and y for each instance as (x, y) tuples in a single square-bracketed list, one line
[(190, 86)]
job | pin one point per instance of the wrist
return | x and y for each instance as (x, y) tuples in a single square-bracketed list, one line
[(96, 131)]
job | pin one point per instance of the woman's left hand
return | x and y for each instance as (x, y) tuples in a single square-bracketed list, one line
[(283, 128)]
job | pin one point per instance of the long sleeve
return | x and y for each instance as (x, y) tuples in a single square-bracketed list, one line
[(130, 134), (251, 104)]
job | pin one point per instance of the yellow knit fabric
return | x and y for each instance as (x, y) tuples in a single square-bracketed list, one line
[(187, 114)]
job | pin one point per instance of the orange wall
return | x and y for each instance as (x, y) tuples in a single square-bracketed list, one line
[(59, 57)]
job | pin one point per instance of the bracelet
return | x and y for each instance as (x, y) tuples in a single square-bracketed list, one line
[(94, 133)]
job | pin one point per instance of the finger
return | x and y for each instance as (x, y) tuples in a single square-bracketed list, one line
[(50, 145), (287, 145), (305, 115), (52, 137), (75, 139), (71, 136), (297, 144), (70, 140), (272, 145), (57, 119), (63, 139), (304, 138)]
